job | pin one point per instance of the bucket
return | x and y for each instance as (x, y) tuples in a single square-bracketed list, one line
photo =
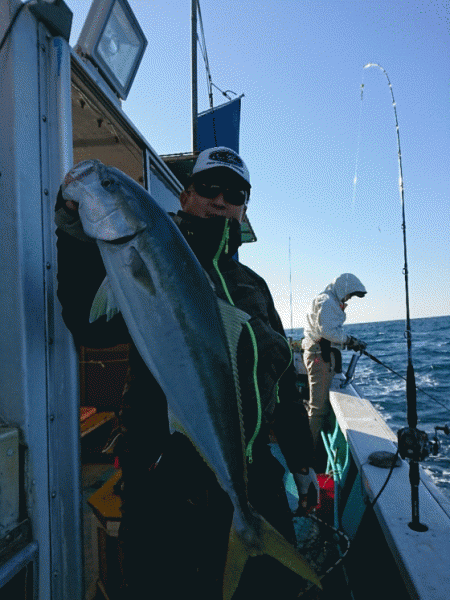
[(325, 508)]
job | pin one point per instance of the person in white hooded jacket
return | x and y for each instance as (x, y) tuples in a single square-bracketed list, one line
[(323, 334)]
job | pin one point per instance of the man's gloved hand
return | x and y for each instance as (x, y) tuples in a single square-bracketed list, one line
[(308, 490), (354, 344)]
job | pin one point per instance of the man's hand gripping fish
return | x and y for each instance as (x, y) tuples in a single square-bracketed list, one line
[(186, 336)]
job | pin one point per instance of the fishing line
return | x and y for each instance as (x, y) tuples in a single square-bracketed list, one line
[(355, 179), (377, 360)]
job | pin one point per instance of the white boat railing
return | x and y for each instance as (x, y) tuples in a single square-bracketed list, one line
[(423, 558)]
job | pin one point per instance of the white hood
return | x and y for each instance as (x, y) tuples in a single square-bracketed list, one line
[(343, 285), (327, 315)]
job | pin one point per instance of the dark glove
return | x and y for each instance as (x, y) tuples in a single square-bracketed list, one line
[(354, 344)]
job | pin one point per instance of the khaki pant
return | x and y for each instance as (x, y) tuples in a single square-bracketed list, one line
[(320, 376)]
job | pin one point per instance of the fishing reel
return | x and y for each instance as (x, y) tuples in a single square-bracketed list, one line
[(435, 442), (413, 444)]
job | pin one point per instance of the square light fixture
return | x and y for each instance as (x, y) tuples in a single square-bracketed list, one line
[(114, 41)]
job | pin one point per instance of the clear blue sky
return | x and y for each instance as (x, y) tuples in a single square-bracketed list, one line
[(304, 129)]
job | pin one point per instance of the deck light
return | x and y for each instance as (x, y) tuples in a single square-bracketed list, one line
[(114, 41)]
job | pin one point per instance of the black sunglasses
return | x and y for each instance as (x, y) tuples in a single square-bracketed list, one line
[(234, 196)]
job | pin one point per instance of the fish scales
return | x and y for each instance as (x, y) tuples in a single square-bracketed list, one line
[(186, 353)]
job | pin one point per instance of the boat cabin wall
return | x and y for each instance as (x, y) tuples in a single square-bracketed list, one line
[(38, 367), (53, 115)]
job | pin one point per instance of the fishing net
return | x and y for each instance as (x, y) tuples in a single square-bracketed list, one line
[(323, 546)]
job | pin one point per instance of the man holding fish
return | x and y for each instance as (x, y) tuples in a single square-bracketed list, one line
[(211, 345)]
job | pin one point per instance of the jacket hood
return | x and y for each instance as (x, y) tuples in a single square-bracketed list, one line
[(345, 284)]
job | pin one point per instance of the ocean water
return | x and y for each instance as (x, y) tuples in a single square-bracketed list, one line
[(431, 361)]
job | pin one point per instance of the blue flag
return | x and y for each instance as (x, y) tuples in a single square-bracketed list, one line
[(220, 126)]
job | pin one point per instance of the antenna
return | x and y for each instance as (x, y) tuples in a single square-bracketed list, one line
[(290, 283)]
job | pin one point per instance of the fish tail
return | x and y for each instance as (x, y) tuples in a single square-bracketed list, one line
[(272, 543)]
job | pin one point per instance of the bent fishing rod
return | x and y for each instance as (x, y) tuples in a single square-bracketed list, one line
[(412, 443)]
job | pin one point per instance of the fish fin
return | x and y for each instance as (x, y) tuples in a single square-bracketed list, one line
[(104, 303), (272, 543), (237, 557), (275, 545)]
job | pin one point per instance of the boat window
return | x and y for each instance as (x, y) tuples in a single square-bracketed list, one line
[(97, 134), (160, 187)]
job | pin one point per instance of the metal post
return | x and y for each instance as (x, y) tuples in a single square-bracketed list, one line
[(194, 74)]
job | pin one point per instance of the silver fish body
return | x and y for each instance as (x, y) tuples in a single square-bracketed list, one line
[(188, 339)]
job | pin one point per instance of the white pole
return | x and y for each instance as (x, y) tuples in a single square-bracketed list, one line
[(194, 73)]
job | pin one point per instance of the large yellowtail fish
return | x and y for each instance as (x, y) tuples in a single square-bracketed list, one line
[(187, 338)]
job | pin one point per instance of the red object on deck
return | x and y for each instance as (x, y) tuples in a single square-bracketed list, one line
[(86, 412), (325, 508)]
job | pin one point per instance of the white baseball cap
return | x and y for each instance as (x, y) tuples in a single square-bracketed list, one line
[(221, 157)]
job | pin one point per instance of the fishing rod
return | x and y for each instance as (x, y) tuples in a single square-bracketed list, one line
[(413, 444)]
